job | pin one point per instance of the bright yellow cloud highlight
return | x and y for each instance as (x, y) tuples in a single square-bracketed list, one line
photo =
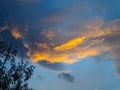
[(39, 56), (70, 44), (52, 58)]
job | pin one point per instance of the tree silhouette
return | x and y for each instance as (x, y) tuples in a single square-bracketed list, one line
[(14, 73)]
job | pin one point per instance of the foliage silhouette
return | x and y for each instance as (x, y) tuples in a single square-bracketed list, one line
[(14, 73)]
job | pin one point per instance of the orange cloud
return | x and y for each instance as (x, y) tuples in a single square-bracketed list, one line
[(26, 45), (48, 34), (15, 33), (52, 57)]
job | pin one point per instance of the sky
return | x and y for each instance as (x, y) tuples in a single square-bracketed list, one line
[(74, 44)]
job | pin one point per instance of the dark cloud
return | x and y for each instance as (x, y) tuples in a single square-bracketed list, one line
[(113, 42), (55, 67), (67, 77), (59, 68), (5, 27), (118, 71), (40, 77), (116, 60)]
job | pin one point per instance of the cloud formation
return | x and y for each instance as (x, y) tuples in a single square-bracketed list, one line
[(67, 77), (92, 39), (60, 68), (15, 33), (55, 67), (88, 41), (5, 27)]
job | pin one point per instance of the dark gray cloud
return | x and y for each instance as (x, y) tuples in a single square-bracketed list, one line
[(55, 67), (113, 42), (118, 71), (67, 77), (59, 68), (40, 77)]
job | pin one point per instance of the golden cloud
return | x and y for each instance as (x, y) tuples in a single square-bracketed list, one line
[(87, 41), (15, 33), (68, 52), (70, 44)]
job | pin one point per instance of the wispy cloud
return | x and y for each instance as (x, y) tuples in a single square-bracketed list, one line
[(5, 27), (60, 68), (55, 67), (67, 77)]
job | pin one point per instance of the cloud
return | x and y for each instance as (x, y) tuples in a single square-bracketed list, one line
[(67, 77), (55, 67), (100, 38), (60, 68), (15, 33), (118, 71), (5, 27), (112, 43), (55, 47), (70, 44), (80, 45), (48, 34)]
